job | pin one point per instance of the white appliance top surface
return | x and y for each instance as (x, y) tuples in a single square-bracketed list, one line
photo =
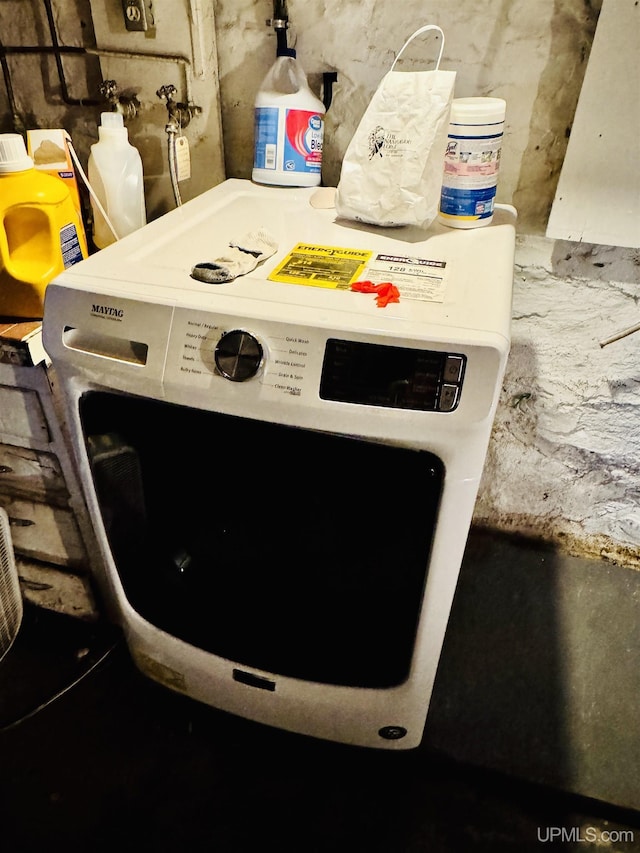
[(154, 263)]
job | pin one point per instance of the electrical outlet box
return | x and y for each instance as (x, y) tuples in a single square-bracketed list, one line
[(138, 16)]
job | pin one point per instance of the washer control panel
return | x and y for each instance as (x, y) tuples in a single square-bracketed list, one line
[(277, 361)]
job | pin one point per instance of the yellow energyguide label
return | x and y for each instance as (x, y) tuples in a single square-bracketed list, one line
[(321, 266)]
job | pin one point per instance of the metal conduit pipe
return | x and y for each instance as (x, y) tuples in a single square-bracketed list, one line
[(6, 74), (57, 52), (46, 50), (158, 57), (280, 23)]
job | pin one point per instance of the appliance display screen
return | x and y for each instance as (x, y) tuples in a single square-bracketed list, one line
[(391, 376)]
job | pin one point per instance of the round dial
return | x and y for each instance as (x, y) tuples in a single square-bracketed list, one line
[(238, 355)]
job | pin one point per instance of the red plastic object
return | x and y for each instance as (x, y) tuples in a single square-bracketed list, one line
[(386, 291)]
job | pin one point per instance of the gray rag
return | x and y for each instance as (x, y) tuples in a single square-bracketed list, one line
[(243, 256)]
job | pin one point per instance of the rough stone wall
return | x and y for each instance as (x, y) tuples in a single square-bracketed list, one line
[(564, 458)]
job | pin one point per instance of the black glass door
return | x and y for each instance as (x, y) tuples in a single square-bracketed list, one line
[(293, 551)]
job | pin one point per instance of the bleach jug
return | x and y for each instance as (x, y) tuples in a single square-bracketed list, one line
[(116, 177), (288, 127), (41, 232)]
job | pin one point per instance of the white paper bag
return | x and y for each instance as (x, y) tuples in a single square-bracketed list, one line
[(392, 169)]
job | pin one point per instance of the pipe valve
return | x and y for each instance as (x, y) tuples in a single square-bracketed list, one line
[(126, 104), (180, 114)]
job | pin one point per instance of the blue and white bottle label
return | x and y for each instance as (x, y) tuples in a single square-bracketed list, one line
[(70, 245), (470, 176), (265, 138), (288, 140)]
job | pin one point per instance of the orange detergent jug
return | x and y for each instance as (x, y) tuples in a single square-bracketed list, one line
[(41, 232)]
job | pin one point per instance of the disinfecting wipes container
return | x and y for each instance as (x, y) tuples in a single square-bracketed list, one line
[(472, 162)]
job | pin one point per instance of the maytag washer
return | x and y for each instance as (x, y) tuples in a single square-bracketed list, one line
[(281, 473)]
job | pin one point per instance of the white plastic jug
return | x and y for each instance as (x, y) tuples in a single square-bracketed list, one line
[(289, 127), (116, 177)]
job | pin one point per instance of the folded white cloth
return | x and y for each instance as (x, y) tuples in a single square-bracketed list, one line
[(243, 256)]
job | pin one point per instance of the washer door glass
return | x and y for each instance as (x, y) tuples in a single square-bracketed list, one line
[(296, 552)]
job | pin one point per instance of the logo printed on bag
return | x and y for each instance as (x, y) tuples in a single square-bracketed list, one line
[(380, 139), (376, 142)]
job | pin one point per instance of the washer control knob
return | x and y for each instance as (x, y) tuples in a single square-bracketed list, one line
[(238, 355)]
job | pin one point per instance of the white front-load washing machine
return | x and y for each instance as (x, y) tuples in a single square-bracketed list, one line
[(281, 471)]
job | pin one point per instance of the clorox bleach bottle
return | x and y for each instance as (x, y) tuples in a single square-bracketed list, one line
[(289, 127), (116, 177), (41, 232)]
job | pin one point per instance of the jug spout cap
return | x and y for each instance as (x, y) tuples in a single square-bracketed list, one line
[(13, 154), (111, 120), (111, 128)]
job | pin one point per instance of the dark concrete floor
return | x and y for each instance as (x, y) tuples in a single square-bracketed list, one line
[(117, 763)]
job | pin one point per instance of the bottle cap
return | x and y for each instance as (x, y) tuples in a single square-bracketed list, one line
[(478, 110), (13, 154), (111, 120), (112, 128)]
